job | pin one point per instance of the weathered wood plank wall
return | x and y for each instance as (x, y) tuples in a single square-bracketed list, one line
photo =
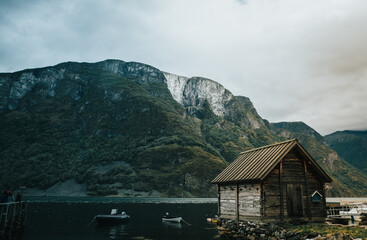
[(271, 195), (249, 200), (293, 173), (228, 201)]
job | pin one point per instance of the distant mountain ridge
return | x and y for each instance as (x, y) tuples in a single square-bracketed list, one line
[(116, 127), (351, 145)]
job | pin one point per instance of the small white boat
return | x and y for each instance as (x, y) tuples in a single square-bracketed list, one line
[(168, 218), (112, 218), (356, 210), (172, 219)]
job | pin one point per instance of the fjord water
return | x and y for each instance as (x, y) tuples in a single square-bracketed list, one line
[(69, 218)]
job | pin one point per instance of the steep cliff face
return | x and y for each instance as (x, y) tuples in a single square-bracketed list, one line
[(176, 85), (15, 88), (141, 73), (193, 93), (128, 128)]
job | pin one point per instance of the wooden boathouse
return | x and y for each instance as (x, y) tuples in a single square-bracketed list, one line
[(279, 182)]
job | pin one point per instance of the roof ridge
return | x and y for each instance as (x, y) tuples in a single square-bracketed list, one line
[(270, 145), (255, 164)]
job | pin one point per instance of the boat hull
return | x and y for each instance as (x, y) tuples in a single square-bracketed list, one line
[(172, 219), (109, 219)]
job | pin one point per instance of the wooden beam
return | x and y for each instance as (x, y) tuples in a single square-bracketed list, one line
[(218, 200), (307, 192), (324, 200), (237, 203), (262, 201), (281, 190)]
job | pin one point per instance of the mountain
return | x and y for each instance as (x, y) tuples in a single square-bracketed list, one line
[(116, 127), (342, 173), (351, 145), (112, 126)]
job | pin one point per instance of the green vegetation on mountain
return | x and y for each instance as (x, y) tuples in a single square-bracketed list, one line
[(350, 145), (100, 118), (114, 126), (112, 131)]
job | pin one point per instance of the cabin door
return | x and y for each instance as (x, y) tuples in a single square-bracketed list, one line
[(294, 200)]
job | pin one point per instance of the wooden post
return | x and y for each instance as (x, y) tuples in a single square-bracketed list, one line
[(12, 217), (307, 192), (237, 203), (5, 219), (1, 214), (262, 202), (281, 190), (2, 207), (324, 200), (19, 213), (13, 212), (218, 200)]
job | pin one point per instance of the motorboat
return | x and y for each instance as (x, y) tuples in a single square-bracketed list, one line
[(114, 217)]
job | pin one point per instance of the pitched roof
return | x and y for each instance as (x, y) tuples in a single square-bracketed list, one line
[(254, 165)]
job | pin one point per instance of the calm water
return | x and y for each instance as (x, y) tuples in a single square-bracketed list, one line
[(68, 218)]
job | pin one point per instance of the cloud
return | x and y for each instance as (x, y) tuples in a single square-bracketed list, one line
[(296, 60)]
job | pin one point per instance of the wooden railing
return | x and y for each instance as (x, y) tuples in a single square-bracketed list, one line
[(335, 211), (12, 219)]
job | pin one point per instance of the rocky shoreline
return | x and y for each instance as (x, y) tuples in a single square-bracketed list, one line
[(233, 230)]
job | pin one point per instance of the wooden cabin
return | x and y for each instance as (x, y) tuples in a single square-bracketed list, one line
[(279, 182)]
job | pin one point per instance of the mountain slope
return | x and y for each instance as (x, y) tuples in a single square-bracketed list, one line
[(116, 127), (73, 120), (351, 145), (342, 173)]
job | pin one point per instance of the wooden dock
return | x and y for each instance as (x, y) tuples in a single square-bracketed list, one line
[(12, 220)]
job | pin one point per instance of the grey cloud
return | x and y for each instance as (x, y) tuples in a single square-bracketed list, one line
[(296, 60)]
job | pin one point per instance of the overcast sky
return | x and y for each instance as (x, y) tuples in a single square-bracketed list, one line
[(296, 60)]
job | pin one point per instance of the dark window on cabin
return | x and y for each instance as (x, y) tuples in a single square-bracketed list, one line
[(294, 200), (316, 198)]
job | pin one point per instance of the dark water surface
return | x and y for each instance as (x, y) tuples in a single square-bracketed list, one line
[(54, 218)]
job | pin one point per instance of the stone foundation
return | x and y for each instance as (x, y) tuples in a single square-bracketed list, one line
[(230, 229)]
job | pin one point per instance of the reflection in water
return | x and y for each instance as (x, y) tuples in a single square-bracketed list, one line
[(113, 232), (172, 225), (169, 227), (116, 231)]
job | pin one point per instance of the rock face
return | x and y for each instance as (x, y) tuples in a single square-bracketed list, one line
[(176, 85), (194, 92), (142, 73), (14, 91), (114, 127)]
